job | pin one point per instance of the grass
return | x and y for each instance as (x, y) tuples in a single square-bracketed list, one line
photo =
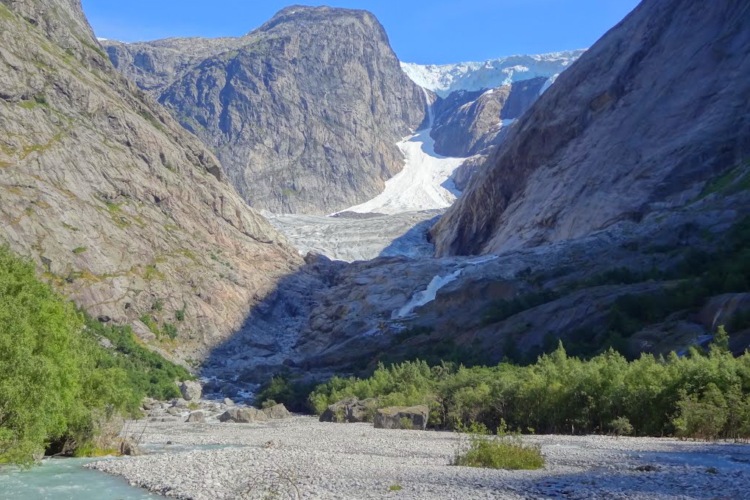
[(395, 487), (79, 250)]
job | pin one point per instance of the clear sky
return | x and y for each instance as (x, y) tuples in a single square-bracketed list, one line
[(422, 31)]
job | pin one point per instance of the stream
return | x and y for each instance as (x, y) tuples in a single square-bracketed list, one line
[(65, 479)]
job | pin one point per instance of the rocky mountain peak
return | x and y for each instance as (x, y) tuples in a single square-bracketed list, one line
[(304, 13), (305, 112)]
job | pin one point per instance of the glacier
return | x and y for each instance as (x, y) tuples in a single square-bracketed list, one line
[(446, 78)]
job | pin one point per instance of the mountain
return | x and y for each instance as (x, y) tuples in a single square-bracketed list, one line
[(643, 120), (467, 123), (119, 207), (471, 76), (614, 214), (304, 112)]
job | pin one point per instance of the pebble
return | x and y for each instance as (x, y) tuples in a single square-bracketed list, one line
[(312, 459)]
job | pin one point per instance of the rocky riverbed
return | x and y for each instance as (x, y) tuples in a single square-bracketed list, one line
[(303, 458)]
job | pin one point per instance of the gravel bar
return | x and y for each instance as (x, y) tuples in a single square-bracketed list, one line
[(303, 458)]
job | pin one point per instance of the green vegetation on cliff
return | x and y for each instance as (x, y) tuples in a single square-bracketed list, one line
[(58, 381)]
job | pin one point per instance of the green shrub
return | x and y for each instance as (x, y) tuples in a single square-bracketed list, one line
[(621, 426), (170, 330), (504, 451)]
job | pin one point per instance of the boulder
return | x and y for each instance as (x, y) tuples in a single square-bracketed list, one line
[(175, 412), (401, 417), (277, 412), (149, 404), (191, 390), (350, 410), (179, 403), (243, 415), (228, 402), (197, 417)]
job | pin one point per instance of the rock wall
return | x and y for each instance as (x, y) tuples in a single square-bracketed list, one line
[(304, 112), (641, 121), (120, 208)]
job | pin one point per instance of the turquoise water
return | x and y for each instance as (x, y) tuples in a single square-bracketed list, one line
[(66, 479)]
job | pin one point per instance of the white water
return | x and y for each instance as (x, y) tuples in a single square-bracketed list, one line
[(427, 295)]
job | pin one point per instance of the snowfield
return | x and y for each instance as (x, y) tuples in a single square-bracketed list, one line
[(424, 183), (447, 78)]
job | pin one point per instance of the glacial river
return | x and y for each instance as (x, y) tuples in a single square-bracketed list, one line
[(65, 479)]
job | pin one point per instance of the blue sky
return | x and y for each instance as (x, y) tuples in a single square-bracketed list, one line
[(423, 31)]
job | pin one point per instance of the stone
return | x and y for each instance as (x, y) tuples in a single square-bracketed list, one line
[(277, 412), (175, 412), (197, 417), (401, 417), (149, 404), (228, 402), (350, 410), (191, 390), (243, 415)]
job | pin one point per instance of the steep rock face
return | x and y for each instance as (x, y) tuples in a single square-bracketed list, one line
[(474, 122), (641, 121), (156, 65), (305, 113), (121, 209)]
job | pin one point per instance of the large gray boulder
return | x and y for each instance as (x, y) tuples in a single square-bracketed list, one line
[(243, 415), (197, 417), (276, 412), (350, 410), (401, 417), (191, 390)]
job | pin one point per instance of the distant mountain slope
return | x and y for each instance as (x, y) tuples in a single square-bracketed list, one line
[(118, 206), (643, 120), (447, 78), (468, 123), (304, 112)]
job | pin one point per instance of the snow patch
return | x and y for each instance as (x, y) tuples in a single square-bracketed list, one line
[(425, 182), (426, 296), (447, 78), (548, 83)]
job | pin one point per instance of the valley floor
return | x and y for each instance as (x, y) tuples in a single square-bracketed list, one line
[(303, 458)]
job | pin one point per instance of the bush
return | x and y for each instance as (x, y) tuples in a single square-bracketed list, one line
[(504, 451), (58, 383), (562, 394), (621, 426)]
